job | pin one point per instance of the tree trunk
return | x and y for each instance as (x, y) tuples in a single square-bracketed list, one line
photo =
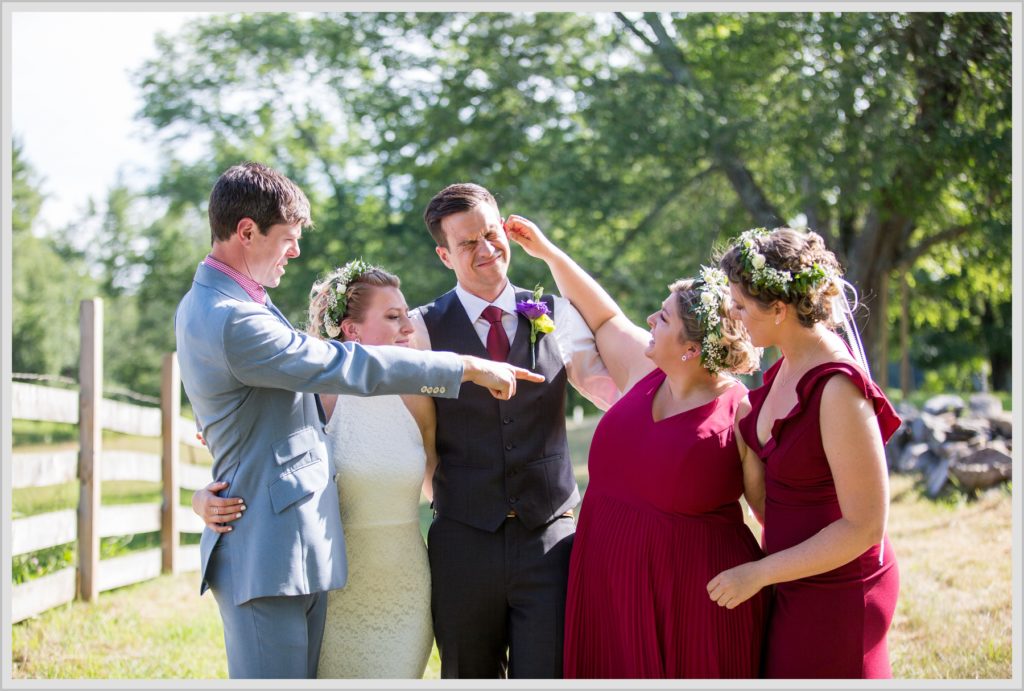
[(1002, 371), (872, 258), (998, 349), (879, 360), (750, 193), (905, 383)]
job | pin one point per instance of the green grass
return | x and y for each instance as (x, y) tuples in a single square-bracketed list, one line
[(28, 501), (32, 436), (919, 398), (160, 629), (32, 432), (953, 618)]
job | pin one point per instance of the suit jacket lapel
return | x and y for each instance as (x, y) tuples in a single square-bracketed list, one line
[(273, 309)]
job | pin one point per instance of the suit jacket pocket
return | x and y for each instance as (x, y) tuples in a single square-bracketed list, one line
[(296, 444), (304, 478)]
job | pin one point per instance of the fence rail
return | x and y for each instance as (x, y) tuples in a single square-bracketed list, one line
[(91, 465), (51, 404)]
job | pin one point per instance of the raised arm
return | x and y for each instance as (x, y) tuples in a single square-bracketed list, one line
[(856, 457), (620, 342)]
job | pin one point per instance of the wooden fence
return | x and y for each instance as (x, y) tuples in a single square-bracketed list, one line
[(91, 465)]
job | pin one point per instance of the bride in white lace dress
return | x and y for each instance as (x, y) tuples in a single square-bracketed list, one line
[(378, 625)]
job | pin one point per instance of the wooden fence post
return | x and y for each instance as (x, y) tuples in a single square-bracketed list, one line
[(90, 438), (170, 409)]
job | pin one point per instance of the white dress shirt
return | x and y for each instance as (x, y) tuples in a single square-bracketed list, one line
[(574, 340)]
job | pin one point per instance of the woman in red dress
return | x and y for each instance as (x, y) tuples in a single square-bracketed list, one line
[(819, 424), (661, 514)]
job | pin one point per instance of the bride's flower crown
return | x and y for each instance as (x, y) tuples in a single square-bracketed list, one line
[(764, 277), (711, 292), (332, 296)]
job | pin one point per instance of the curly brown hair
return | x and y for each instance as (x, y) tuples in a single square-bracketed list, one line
[(786, 249), (741, 357)]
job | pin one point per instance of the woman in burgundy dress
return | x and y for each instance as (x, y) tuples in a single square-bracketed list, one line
[(819, 424), (661, 514)]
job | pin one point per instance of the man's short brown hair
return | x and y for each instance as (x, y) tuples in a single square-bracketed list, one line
[(253, 190), (453, 199)]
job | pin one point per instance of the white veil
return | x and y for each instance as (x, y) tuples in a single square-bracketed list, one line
[(842, 316)]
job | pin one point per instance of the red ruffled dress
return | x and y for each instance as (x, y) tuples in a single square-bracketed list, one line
[(834, 624), (660, 519)]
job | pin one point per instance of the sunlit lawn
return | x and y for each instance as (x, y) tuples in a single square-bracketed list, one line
[(953, 620)]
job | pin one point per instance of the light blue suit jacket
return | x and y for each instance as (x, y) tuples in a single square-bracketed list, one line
[(250, 376)]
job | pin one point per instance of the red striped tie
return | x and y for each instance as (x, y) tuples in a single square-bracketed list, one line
[(497, 339)]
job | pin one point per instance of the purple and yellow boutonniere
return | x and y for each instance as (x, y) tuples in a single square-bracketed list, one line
[(537, 312)]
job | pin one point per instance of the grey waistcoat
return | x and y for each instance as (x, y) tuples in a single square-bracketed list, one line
[(498, 456)]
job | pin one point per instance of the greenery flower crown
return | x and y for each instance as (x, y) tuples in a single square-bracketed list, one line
[(764, 277), (333, 296), (711, 293)]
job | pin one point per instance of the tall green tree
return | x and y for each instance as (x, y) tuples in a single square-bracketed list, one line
[(910, 121), (46, 287), (638, 140)]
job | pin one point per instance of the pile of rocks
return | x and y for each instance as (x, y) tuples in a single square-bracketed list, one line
[(948, 439)]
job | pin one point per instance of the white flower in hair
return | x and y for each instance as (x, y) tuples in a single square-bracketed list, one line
[(332, 329), (711, 287), (757, 260)]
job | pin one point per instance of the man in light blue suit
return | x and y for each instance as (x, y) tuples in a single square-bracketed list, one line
[(251, 379)]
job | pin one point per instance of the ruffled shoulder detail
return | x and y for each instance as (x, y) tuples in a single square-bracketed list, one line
[(888, 420)]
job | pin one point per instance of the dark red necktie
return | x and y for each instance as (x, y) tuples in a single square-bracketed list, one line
[(497, 339)]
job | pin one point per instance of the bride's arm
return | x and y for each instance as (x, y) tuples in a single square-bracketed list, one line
[(425, 414)]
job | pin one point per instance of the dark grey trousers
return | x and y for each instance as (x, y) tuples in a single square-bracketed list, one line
[(268, 637), (498, 599)]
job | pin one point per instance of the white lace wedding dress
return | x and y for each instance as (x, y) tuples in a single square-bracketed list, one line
[(378, 626)]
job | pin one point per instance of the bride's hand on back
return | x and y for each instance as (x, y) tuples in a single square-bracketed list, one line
[(527, 235)]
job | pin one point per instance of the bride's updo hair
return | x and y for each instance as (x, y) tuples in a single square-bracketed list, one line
[(735, 353), (344, 293), (786, 265)]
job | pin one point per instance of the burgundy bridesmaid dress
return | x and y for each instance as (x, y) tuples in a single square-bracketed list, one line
[(834, 624), (660, 519)]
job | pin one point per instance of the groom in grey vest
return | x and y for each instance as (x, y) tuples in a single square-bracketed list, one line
[(251, 380), (504, 488)]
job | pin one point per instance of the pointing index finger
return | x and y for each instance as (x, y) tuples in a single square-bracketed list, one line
[(527, 375)]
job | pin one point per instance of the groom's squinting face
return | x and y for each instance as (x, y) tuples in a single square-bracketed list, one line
[(477, 250)]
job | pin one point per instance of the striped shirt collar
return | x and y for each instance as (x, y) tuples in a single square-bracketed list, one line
[(253, 289)]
